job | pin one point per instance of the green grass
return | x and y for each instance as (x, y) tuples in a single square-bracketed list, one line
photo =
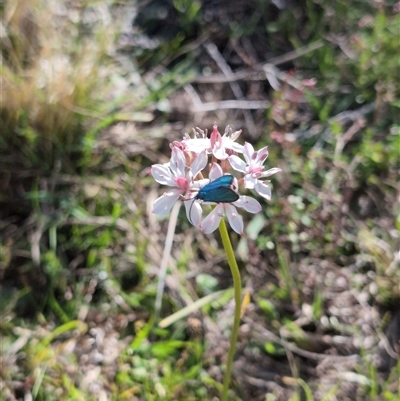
[(83, 118)]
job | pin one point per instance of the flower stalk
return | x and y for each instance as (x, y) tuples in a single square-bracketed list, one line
[(237, 288)]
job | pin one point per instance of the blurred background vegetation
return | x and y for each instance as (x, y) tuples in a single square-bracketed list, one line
[(92, 93)]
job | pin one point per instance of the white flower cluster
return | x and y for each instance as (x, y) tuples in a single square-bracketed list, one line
[(184, 174)]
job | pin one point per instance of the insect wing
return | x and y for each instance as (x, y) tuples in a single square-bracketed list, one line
[(224, 181), (221, 195), (219, 191)]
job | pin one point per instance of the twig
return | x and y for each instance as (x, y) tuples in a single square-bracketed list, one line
[(296, 53), (35, 243), (248, 75), (342, 118), (307, 354), (193, 94), (196, 101), (345, 138), (165, 259), (257, 72), (233, 104), (245, 50), (226, 70), (385, 342), (353, 115)]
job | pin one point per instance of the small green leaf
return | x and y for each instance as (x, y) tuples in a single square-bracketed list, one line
[(207, 282)]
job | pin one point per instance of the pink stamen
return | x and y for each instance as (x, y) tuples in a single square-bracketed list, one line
[(215, 137)]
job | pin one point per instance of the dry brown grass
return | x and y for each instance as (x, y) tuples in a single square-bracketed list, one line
[(54, 69)]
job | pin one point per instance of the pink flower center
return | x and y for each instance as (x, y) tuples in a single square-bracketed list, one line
[(256, 170), (182, 183)]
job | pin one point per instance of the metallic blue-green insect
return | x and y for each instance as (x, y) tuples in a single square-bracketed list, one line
[(217, 191)]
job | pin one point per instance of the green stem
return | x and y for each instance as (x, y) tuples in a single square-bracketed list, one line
[(237, 286)]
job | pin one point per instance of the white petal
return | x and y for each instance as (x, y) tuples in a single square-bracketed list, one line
[(193, 212), (249, 181), (215, 171), (262, 155), (235, 219), (263, 189), (197, 145), (231, 135), (271, 171), (211, 222), (164, 203), (237, 163), (237, 147), (249, 204), (248, 151), (220, 153), (199, 163), (162, 174), (200, 184), (235, 135), (235, 184), (178, 162)]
